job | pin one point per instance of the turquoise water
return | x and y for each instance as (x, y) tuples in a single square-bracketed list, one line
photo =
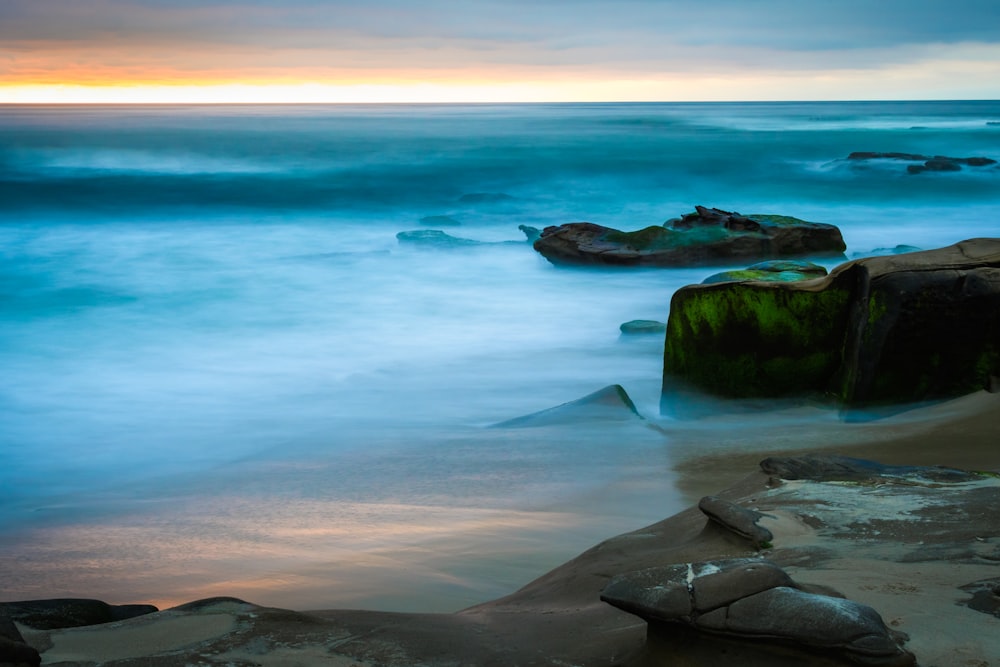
[(197, 300)]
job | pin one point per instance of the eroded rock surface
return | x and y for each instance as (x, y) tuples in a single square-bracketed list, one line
[(755, 600), (876, 331), (707, 236), (784, 270)]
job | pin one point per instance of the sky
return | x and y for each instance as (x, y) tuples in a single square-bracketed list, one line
[(497, 50)]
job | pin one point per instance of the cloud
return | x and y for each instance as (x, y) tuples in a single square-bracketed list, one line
[(333, 40)]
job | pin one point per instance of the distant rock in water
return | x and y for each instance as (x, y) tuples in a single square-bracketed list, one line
[(707, 236), (439, 221), (993, 122), (877, 331), (930, 163), (435, 238), (609, 404), (485, 198), (784, 270), (636, 327)]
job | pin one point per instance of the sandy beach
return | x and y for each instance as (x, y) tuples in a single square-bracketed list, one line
[(558, 619)]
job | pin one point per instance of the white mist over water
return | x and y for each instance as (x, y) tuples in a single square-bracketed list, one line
[(217, 356)]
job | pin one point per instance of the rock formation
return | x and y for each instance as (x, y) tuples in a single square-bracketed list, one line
[(755, 600), (876, 331), (784, 270), (707, 236)]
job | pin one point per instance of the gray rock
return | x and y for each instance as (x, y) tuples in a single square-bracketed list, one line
[(612, 403), (755, 600), (817, 622), (831, 468), (737, 520)]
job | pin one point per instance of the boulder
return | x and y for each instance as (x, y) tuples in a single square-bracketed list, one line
[(705, 237), (70, 612), (783, 270), (755, 601), (876, 331)]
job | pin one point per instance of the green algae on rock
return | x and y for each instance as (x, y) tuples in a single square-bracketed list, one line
[(876, 331), (705, 237), (781, 270)]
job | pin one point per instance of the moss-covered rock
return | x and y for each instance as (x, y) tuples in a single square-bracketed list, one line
[(879, 330), (705, 237), (781, 270)]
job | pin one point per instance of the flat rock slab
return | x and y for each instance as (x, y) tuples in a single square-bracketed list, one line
[(844, 468)]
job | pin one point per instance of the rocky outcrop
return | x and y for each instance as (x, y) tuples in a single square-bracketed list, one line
[(876, 331), (755, 600), (929, 162), (707, 236), (782, 270), (13, 650)]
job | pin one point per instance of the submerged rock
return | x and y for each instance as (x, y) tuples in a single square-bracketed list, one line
[(876, 331), (755, 600), (634, 327), (782, 270), (930, 162), (707, 236), (612, 403), (435, 238)]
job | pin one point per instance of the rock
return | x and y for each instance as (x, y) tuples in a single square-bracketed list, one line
[(876, 331), (779, 270), (435, 238), (755, 600), (993, 122), (532, 233), (634, 327), (707, 236), (439, 221), (895, 250), (831, 468), (985, 596), (70, 612), (13, 649), (612, 403), (485, 198), (930, 163), (737, 520)]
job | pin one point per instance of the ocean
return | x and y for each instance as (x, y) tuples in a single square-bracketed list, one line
[(223, 373)]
